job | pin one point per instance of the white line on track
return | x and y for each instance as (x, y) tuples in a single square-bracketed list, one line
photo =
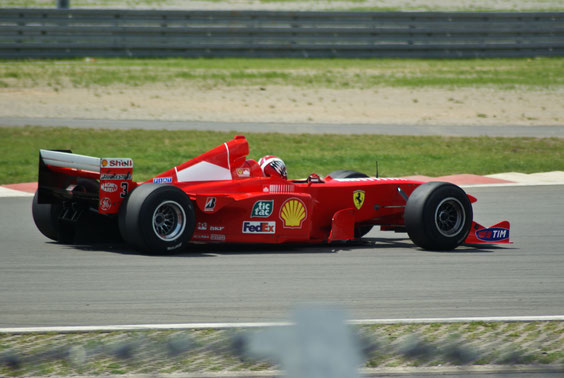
[(142, 327), (5, 192), (509, 185)]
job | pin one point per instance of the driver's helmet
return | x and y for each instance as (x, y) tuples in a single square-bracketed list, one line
[(273, 166)]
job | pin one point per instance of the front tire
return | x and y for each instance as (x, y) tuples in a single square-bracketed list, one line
[(157, 218), (438, 216)]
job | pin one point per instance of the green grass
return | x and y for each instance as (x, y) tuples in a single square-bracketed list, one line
[(310, 73), (154, 151)]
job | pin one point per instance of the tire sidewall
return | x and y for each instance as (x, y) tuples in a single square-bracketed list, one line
[(136, 218), (46, 217), (420, 216)]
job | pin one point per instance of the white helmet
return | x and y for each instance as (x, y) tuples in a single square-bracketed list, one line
[(273, 166)]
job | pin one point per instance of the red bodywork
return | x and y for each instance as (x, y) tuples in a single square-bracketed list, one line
[(234, 202)]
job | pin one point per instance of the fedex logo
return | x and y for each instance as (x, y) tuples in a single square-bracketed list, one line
[(492, 234), (259, 227)]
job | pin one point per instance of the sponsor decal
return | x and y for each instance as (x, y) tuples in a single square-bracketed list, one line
[(217, 237), (162, 180), (117, 163), (201, 226), (210, 204), (358, 198), (243, 172), (250, 227), (293, 213), (105, 204), (109, 187), (283, 188), (492, 234), (262, 209), (174, 247), (216, 228), (124, 189), (113, 176), (198, 236)]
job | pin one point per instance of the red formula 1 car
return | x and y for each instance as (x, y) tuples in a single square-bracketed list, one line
[(221, 196)]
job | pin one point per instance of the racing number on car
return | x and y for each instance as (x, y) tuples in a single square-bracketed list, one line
[(124, 189)]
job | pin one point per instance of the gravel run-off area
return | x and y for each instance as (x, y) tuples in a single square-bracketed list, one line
[(288, 104)]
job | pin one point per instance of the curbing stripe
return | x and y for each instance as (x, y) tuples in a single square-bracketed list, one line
[(517, 184), (6, 192), (488, 319), (141, 327)]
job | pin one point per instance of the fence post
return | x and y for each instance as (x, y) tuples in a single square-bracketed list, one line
[(63, 4)]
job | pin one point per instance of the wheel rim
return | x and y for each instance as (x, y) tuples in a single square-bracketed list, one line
[(169, 221), (450, 217)]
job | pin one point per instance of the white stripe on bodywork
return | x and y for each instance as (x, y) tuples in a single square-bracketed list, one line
[(68, 160), (228, 161), (203, 171)]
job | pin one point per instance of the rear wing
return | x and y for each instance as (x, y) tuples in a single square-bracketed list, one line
[(103, 182)]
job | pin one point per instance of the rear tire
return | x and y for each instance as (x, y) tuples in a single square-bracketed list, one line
[(360, 229), (438, 216), (157, 218), (46, 217)]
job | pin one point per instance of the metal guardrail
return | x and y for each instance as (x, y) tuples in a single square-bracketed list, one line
[(51, 33)]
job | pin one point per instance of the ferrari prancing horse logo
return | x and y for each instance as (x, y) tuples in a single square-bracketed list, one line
[(358, 198)]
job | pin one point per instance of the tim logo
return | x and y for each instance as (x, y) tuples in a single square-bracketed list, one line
[(210, 204), (493, 234)]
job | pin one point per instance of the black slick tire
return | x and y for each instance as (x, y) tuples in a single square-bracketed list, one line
[(438, 216), (157, 219), (46, 218)]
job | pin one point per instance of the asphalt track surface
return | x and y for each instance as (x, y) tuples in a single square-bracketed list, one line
[(296, 128), (46, 284)]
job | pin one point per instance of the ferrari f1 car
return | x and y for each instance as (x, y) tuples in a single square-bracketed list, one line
[(223, 197)]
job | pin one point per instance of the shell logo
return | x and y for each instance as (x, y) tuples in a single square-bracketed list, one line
[(293, 213), (104, 163)]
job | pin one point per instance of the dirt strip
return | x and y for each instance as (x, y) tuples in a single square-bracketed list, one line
[(285, 104)]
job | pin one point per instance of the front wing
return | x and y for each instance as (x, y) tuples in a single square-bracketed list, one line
[(498, 233)]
